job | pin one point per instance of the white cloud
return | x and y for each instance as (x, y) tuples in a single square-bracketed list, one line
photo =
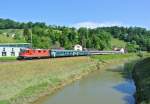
[(94, 24), (104, 24)]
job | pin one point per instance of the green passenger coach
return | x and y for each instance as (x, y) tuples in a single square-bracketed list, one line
[(67, 53)]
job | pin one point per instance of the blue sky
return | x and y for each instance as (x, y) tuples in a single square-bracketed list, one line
[(79, 12)]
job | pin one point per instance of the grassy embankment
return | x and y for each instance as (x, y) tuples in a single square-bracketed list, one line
[(141, 75), (25, 81), (6, 59)]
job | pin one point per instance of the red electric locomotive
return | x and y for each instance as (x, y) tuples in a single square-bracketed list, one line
[(34, 53)]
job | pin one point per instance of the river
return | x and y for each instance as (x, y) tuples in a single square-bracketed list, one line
[(101, 87)]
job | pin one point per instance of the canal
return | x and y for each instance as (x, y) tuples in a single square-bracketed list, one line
[(109, 86)]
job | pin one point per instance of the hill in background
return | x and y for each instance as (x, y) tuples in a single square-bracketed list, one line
[(49, 36), (9, 36)]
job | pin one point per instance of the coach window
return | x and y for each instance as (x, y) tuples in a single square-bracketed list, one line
[(12, 49), (3, 49), (4, 53), (12, 53)]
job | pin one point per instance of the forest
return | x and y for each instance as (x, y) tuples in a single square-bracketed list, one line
[(53, 36)]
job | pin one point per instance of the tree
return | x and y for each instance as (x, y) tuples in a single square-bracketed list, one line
[(83, 35), (132, 47), (27, 34)]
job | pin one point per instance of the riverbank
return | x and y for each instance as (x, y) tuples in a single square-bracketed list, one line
[(141, 75), (25, 81)]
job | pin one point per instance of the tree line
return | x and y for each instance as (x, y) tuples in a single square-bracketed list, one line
[(51, 36)]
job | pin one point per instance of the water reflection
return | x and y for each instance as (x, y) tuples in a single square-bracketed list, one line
[(128, 88)]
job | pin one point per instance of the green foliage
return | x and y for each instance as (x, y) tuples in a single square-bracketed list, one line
[(118, 43), (27, 34), (41, 42), (140, 54), (98, 38), (68, 37), (132, 47), (140, 35), (141, 76)]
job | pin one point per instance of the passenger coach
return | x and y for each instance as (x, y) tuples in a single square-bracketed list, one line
[(67, 53)]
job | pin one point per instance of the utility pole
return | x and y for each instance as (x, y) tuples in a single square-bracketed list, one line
[(31, 38)]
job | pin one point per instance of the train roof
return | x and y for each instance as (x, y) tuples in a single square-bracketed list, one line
[(33, 49), (66, 50)]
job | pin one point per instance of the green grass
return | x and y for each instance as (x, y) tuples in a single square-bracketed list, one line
[(113, 56), (4, 102), (3, 59), (5, 35), (4, 39), (23, 80), (12, 31), (118, 43)]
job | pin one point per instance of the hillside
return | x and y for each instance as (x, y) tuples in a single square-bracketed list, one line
[(11, 31), (53, 36), (11, 36), (118, 43)]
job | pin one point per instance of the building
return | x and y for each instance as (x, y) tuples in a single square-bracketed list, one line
[(12, 49), (122, 50), (78, 47), (119, 49)]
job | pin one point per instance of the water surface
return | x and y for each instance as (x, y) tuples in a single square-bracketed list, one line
[(101, 87)]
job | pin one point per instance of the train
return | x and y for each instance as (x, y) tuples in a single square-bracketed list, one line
[(49, 53), (54, 53)]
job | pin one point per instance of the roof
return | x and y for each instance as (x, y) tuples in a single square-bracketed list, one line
[(77, 45), (14, 43)]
